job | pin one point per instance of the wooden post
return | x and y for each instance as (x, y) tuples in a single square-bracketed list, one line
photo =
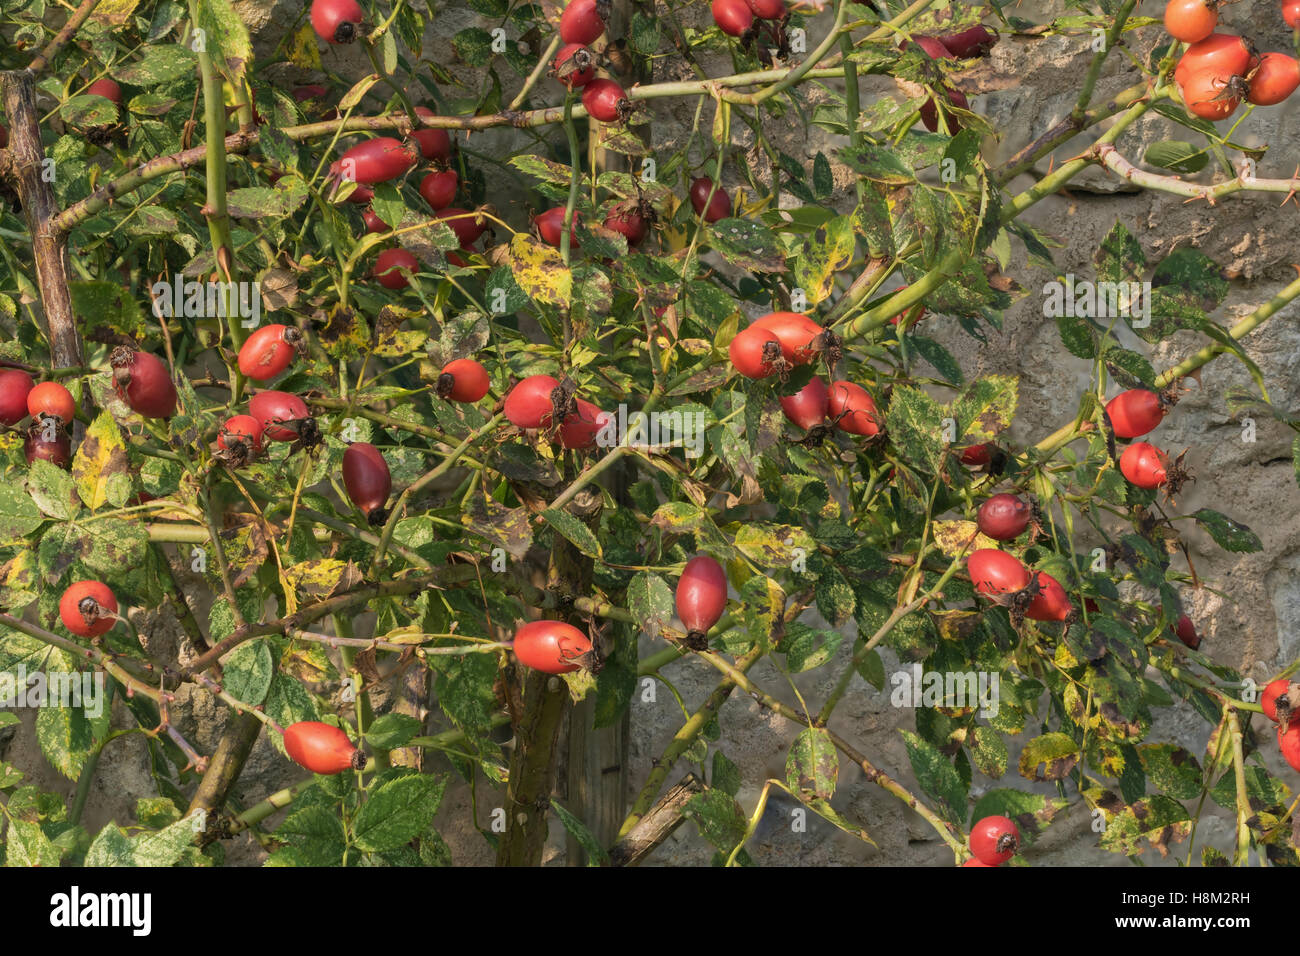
[(597, 759), (27, 170)]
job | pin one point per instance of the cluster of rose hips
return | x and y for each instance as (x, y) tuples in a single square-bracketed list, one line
[(282, 416), (385, 159), (973, 43), (554, 647), (140, 379), (744, 18), (779, 341), (1219, 70), (51, 409), (1001, 576), (581, 24)]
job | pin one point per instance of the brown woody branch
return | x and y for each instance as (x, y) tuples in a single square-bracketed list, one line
[(49, 244), (657, 825), (79, 16)]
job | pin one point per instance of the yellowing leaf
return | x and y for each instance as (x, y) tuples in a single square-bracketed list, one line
[(539, 271), (960, 537), (115, 13), (319, 579), (303, 51), (100, 466)]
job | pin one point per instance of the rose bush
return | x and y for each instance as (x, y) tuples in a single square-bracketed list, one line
[(383, 414)]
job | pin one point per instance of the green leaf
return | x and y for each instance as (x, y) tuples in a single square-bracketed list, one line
[(762, 602), (19, 515), (464, 690), (1262, 789), (87, 110), (985, 408), (100, 304), (806, 648), (27, 845), (53, 490), (1078, 336), (936, 775), (813, 767), (746, 245), (1130, 369), (226, 36), (111, 848), (822, 182), (260, 202), (1172, 769), (915, 421), (871, 668), (392, 731), (719, 818), (579, 535), (473, 45), (822, 255), (398, 812), (938, 356), (651, 602), (595, 853), (774, 545), (316, 833), (249, 671), (1032, 812), (67, 735), (1176, 155), (1228, 534), (989, 752), (166, 847), (1158, 819), (644, 33), (157, 65), (726, 775)]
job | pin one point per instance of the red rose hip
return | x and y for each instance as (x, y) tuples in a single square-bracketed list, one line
[(553, 647), (852, 409), (367, 480), (15, 386), (994, 840), (1004, 517), (143, 382), (337, 21), (996, 572), (529, 404), (807, 407), (88, 608), (463, 380), (321, 748), (1135, 412), (388, 266), (701, 597), (269, 351), (282, 415), (719, 207)]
